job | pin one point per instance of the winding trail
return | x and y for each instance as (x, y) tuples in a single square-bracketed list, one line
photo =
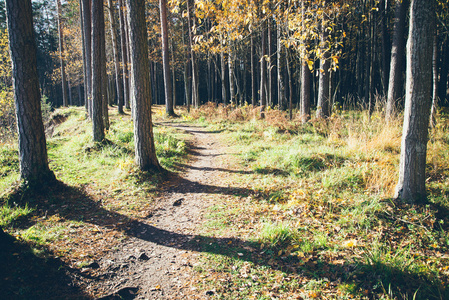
[(156, 261)]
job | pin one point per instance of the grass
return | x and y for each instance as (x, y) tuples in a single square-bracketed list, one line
[(320, 210), (314, 217), (100, 188)]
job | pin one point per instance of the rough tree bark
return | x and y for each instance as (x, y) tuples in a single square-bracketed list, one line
[(140, 87), (397, 58), (412, 167), (323, 85), (115, 48), (97, 80), (32, 144), (224, 95), (87, 24), (65, 99), (263, 72), (253, 73), (165, 59), (124, 48)]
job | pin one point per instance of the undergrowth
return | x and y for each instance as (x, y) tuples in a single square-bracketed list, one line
[(319, 220), (99, 188)]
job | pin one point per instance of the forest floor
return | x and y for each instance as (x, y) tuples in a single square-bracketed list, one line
[(245, 209)]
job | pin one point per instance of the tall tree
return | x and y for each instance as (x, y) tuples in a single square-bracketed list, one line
[(397, 58), (87, 25), (323, 87), (115, 48), (166, 59), (140, 87), (65, 101), (32, 144), (97, 73), (125, 49), (412, 166)]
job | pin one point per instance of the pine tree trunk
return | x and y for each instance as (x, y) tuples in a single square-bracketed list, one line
[(305, 92), (104, 74), (32, 144), (165, 59), (412, 167), (253, 73), (145, 155), (263, 72), (231, 78), (61, 56), (434, 82), (224, 95), (97, 74), (192, 55), (397, 58), (124, 52), (115, 48), (87, 23), (323, 87), (84, 54)]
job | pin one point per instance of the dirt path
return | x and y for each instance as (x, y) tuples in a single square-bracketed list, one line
[(156, 261)]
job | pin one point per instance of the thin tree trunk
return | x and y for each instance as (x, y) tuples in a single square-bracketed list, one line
[(104, 75), (434, 82), (305, 92), (397, 58), (165, 59), (115, 48), (323, 88), (192, 56), (140, 88), (412, 166), (87, 23), (224, 95), (124, 48), (173, 72), (61, 56), (263, 72), (253, 73), (231, 78), (84, 54)]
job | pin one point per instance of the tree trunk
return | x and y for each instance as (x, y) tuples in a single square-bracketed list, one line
[(397, 57), (231, 78), (323, 85), (434, 82), (87, 23), (97, 74), (65, 100), (305, 92), (84, 54), (115, 48), (173, 73), (253, 73), (124, 48), (192, 56), (384, 7), (165, 59), (104, 74), (145, 155), (263, 72), (32, 144), (412, 167), (280, 81), (224, 95)]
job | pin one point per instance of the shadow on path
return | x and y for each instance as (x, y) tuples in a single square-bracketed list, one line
[(73, 204)]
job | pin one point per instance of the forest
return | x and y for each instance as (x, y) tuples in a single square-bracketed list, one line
[(224, 149)]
